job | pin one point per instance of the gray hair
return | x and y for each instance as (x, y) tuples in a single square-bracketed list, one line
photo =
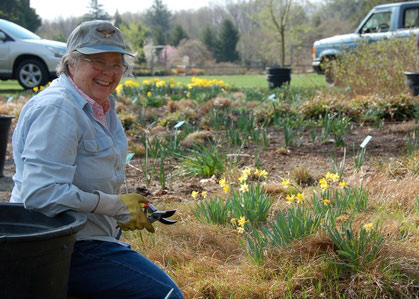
[(74, 57)]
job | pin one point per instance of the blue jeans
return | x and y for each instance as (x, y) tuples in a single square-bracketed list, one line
[(109, 270)]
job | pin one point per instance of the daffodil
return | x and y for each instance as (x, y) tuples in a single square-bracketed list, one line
[(247, 171), (240, 229), (368, 227), (342, 184), (286, 183), (257, 172), (244, 188), (332, 177), (172, 85), (290, 199), (195, 194), (222, 182), (242, 221), (204, 194), (35, 89), (188, 95), (263, 173), (323, 184), (233, 221), (119, 89), (300, 197), (342, 218), (149, 94), (243, 178), (226, 188), (326, 202)]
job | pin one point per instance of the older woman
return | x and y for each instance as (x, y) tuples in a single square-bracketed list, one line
[(69, 148)]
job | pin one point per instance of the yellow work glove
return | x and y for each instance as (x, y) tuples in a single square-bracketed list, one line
[(138, 219)]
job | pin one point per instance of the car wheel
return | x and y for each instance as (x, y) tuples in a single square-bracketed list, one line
[(31, 73)]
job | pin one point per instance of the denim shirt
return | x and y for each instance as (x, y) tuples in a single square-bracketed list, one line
[(65, 158)]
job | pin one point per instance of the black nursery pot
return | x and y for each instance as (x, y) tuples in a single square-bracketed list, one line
[(5, 121), (277, 76), (413, 82)]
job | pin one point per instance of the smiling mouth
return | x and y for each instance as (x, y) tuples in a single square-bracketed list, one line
[(103, 83)]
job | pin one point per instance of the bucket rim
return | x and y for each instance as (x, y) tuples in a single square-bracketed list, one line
[(63, 230)]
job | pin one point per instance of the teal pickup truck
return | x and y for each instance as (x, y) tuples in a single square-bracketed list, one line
[(382, 22)]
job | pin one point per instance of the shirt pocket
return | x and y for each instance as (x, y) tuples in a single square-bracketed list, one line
[(101, 143), (96, 159)]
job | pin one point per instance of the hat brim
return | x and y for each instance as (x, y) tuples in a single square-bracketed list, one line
[(102, 49)]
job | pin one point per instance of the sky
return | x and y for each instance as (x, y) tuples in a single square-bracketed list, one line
[(52, 9)]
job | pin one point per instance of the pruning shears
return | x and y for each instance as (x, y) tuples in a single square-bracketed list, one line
[(157, 215)]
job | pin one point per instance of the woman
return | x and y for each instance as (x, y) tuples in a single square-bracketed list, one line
[(69, 148)]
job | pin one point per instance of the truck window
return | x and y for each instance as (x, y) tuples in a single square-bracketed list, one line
[(378, 22), (411, 18)]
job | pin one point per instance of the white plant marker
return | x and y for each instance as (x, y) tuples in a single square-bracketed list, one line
[(365, 142)]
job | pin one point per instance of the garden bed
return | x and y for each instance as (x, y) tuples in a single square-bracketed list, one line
[(195, 147)]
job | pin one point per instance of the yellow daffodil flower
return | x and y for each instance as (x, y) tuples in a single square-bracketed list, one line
[(240, 229), (247, 171), (290, 199), (244, 188), (286, 183), (233, 221), (222, 182), (332, 177), (300, 197), (149, 94), (172, 85), (188, 95), (204, 194), (242, 221), (195, 194), (263, 173), (342, 184), (323, 184), (226, 188), (119, 89), (368, 227), (242, 179), (326, 202), (342, 218)]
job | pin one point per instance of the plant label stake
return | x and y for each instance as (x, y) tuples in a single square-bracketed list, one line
[(365, 142), (127, 160)]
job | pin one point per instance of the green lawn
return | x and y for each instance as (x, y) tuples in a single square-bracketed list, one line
[(249, 81), (12, 87)]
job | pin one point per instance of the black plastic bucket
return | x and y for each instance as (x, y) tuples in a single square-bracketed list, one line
[(413, 82), (277, 76), (5, 121), (35, 252)]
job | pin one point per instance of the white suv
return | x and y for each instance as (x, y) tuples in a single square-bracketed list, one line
[(26, 57)]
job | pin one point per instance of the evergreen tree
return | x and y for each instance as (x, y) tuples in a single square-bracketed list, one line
[(20, 12), (96, 12), (209, 39), (117, 20), (178, 34), (227, 40), (158, 18)]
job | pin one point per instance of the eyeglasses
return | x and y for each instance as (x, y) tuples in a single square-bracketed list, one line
[(100, 65)]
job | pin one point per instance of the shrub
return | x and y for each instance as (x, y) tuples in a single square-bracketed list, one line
[(377, 68)]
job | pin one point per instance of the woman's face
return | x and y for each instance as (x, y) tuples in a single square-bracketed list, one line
[(97, 84)]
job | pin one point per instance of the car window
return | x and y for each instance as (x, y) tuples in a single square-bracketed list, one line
[(378, 22), (16, 31), (411, 18)]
